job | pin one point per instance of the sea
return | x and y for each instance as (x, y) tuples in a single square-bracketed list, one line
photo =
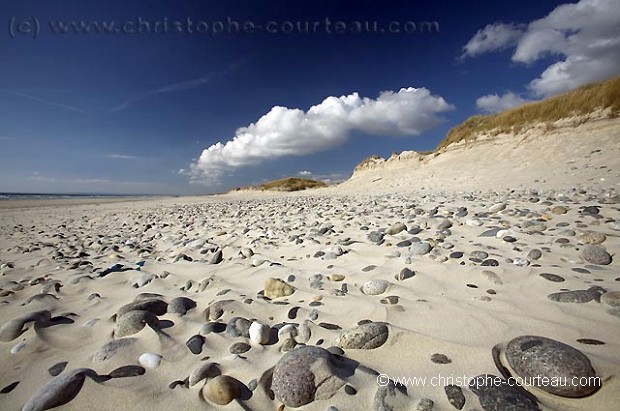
[(48, 196)]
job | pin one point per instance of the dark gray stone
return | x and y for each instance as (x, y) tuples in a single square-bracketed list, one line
[(494, 396), (552, 277), (455, 396), (596, 255), (195, 343), (531, 356), (181, 305)]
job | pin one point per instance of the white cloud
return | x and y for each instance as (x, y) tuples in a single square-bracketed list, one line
[(496, 36), (121, 156), (493, 103), (292, 132), (305, 173), (583, 37)]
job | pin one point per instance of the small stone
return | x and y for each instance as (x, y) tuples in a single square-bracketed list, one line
[(552, 277), (559, 210), (366, 336), (376, 237), (57, 368), (222, 389), (420, 248), (424, 404), (404, 274), (238, 327), (481, 255), (127, 371), (204, 370), (276, 288), (239, 348), (375, 287), (181, 305), (195, 343), (490, 263), (9, 388), (596, 255), (259, 333), (534, 254), (591, 238), (497, 207), (396, 228), (440, 359), (133, 322), (390, 300), (611, 299), (455, 396), (495, 394), (577, 296), (150, 360)]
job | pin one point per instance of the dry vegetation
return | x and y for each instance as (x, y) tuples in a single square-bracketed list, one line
[(580, 101), (287, 184)]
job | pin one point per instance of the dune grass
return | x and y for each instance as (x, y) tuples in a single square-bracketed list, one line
[(580, 101), (287, 184)]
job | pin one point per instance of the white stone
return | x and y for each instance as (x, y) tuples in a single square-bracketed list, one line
[(150, 360), (473, 222), (259, 333)]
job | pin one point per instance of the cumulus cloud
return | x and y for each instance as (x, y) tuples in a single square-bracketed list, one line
[(305, 173), (293, 132), (496, 36), (583, 37), (493, 103)]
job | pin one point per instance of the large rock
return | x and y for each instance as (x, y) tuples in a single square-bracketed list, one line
[(366, 336), (596, 255), (133, 322), (532, 356), (375, 287), (305, 374), (14, 328), (61, 389)]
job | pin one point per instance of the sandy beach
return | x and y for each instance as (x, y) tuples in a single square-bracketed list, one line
[(412, 271)]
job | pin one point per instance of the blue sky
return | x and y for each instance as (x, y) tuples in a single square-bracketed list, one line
[(143, 112)]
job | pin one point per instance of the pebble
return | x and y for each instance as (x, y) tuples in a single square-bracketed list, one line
[(195, 343), (530, 356), (591, 238), (133, 322), (500, 396), (420, 248), (57, 368), (395, 229), (611, 299), (306, 374), (455, 396), (276, 288), (440, 359), (204, 370), (404, 274), (222, 389), (596, 255), (534, 254), (181, 305), (150, 360), (127, 371), (259, 333), (366, 336), (375, 287), (238, 327), (552, 277)]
